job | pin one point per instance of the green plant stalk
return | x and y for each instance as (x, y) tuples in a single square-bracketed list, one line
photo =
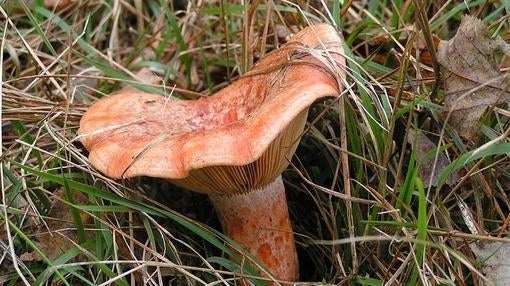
[(421, 235), (406, 190), (74, 211)]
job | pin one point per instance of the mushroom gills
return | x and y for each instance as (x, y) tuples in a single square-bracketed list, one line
[(229, 180)]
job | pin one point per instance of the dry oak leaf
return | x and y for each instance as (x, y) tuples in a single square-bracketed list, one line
[(425, 156), (470, 75)]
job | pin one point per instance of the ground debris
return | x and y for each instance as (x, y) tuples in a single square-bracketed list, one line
[(425, 156), (495, 258), (470, 75)]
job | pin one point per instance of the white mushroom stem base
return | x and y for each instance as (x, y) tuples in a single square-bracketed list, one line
[(259, 221)]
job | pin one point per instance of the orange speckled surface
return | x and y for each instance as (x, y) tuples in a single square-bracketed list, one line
[(139, 134), (260, 222), (234, 142)]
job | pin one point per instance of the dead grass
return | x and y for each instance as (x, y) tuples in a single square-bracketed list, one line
[(359, 209)]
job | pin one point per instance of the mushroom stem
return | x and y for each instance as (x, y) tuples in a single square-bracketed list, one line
[(259, 221)]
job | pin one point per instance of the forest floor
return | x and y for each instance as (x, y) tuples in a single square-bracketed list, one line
[(404, 179)]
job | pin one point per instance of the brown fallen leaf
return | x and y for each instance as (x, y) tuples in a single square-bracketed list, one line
[(58, 235), (470, 75), (425, 156)]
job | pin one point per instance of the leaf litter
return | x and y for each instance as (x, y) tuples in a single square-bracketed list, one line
[(470, 74), (58, 235), (430, 167), (495, 257)]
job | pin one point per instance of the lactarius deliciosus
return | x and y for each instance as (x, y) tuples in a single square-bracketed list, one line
[(232, 145)]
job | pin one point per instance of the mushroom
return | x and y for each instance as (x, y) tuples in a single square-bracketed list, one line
[(233, 145)]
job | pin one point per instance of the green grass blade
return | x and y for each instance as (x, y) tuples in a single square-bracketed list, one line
[(33, 247), (495, 149), (36, 24), (454, 12), (421, 235), (80, 230), (207, 234)]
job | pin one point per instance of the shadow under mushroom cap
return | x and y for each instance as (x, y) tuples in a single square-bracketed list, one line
[(238, 139)]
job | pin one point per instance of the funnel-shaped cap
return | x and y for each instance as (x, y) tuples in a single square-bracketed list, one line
[(236, 140)]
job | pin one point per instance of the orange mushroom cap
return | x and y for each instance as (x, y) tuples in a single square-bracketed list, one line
[(236, 140)]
